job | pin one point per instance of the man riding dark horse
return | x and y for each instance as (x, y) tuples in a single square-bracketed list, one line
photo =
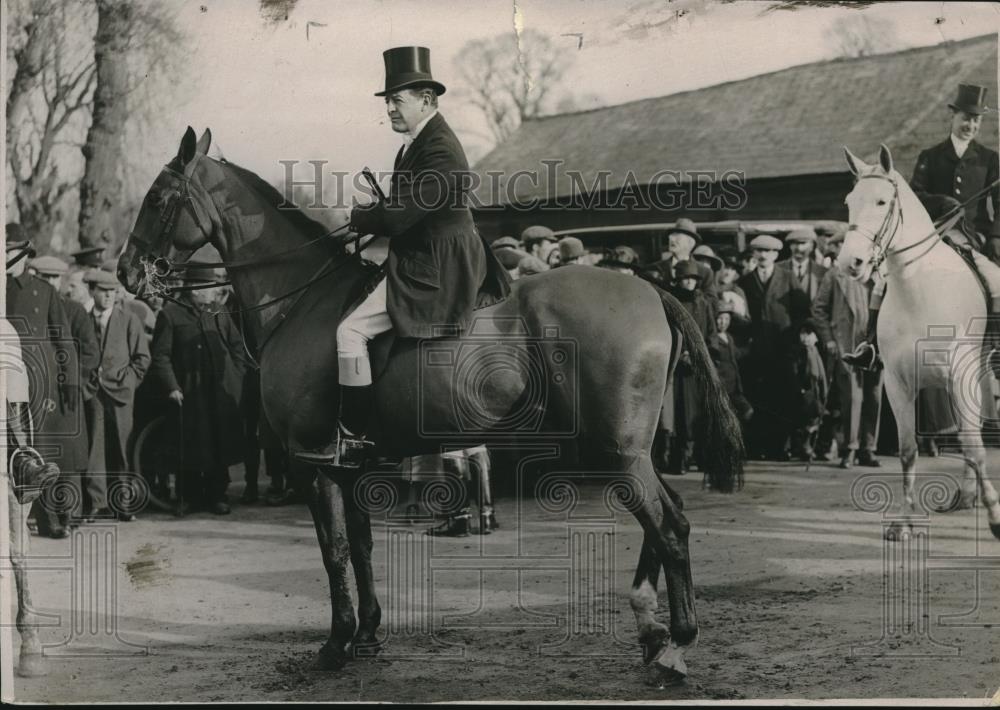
[(947, 175), (437, 264)]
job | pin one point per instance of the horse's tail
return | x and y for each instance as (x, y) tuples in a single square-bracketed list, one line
[(722, 454)]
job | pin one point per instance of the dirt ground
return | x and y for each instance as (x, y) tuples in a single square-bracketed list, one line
[(797, 594)]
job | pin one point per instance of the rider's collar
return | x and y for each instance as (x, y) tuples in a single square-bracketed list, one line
[(411, 136), (959, 146)]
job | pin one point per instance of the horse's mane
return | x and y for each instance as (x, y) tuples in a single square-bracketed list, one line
[(267, 192)]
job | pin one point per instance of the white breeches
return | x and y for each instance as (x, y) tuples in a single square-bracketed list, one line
[(363, 323)]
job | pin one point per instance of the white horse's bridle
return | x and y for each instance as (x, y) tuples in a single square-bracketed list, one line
[(882, 239)]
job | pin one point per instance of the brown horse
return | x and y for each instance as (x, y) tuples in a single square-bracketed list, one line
[(577, 355)]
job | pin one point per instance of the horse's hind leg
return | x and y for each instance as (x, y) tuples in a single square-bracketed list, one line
[(643, 600), (31, 662), (974, 453), (326, 503), (666, 530)]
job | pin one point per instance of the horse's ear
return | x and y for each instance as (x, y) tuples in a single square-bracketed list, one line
[(854, 162), (205, 141), (885, 158), (189, 144)]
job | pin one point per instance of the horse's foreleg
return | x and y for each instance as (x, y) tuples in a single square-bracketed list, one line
[(667, 530), (902, 399), (31, 662), (326, 503), (359, 534)]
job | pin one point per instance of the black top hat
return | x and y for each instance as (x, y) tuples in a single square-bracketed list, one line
[(970, 99), (406, 67), (90, 256)]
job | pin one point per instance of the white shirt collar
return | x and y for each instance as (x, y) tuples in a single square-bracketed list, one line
[(105, 316), (764, 273), (959, 146), (89, 306), (411, 136)]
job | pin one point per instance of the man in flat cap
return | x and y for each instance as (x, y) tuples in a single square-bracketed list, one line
[(571, 250), (89, 257), (124, 359), (438, 265), (36, 312), (804, 273), (769, 297), (539, 241)]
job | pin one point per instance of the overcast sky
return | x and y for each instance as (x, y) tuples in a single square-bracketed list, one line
[(269, 93)]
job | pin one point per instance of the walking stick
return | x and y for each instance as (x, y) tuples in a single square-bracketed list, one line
[(179, 510)]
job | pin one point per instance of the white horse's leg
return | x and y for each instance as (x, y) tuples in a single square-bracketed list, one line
[(902, 397)]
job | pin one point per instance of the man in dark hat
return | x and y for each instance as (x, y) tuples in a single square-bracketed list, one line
[(947, 175), (437, 264), (682, 239), (36, 312), (198, 364), (52, 270), (89, 257)]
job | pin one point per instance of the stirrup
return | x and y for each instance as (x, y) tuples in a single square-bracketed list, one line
[(347, 450), (864, 357)]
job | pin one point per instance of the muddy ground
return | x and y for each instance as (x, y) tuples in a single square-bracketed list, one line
[(798, 597)]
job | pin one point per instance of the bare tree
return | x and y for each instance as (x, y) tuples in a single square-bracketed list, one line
[(47, 103), (137, 51), (510, 77), (860, 35)]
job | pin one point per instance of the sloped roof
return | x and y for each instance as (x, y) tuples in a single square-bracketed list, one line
[(789, 122)]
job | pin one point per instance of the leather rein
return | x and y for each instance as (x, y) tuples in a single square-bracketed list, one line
[(894, 221)]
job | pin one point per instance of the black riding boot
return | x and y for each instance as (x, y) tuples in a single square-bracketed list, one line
[(865, 356), (482, 489), (348, 448)]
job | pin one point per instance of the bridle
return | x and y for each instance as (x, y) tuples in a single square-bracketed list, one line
[(882, 238), (159, 268)]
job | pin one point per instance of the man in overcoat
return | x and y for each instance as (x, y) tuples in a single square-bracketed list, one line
[(124, 358), (769, 300), (437, 264), (803, 273), (198, 364), (36, 312), (77, 446), (840, 312)]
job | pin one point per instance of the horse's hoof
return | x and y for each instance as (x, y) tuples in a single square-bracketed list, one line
[(327, 660), (897, 532), (653, 642), (32, 665), (995, 529), (365, 645), (662, 678)]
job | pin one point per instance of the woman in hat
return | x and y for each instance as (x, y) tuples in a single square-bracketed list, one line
[(687, 406), (437, 264)]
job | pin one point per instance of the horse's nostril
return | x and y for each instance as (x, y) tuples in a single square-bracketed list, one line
[(857, 262)]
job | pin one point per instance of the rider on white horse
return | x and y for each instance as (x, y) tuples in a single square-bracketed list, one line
[(945, 177)]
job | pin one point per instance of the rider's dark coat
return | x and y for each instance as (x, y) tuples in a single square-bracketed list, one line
[(940, 172), (437, 260)]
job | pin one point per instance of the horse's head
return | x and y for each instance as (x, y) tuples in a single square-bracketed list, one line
[(177, 217), (875, 214)]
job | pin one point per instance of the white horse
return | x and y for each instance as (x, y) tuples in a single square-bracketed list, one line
[(928, 284)]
